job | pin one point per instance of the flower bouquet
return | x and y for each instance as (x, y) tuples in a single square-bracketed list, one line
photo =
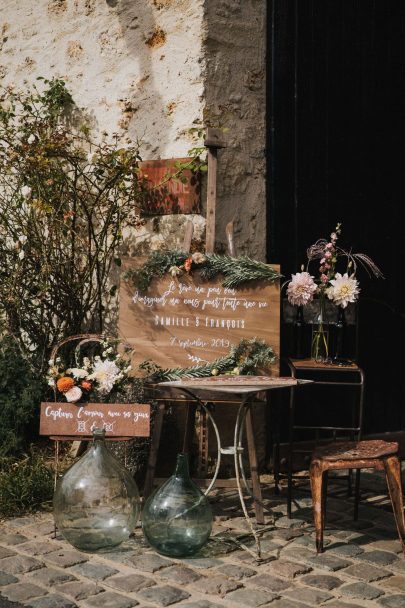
[(340, 288), (94, 376)]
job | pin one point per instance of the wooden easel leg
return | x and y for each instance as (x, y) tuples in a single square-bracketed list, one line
[(257, 491), (316, 474), (393, 474), (154, 450)]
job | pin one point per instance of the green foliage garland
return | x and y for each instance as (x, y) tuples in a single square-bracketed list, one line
[(236, 271), (245, 358)]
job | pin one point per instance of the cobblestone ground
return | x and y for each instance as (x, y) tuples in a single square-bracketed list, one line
[(362, 564)]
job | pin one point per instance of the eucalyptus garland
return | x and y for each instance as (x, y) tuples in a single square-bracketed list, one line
[(246, 358), (236, 271)]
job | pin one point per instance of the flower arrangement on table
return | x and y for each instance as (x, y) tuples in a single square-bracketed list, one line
[(341, 289), (93, 376)]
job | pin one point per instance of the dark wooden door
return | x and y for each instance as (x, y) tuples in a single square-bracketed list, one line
[(336, 153)]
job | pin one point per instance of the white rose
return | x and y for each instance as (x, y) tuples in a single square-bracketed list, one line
[(22, 239), (31, 139), (21, 255), (73, 394), (198, 257), (26, 191)]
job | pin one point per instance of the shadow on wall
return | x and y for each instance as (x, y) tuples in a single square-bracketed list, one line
[(143, 107)]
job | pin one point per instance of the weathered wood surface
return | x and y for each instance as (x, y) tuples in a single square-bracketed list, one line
[(186, 321), (78, 420)]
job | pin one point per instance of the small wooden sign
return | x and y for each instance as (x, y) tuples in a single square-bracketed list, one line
[(79, 420), (173, 196), (184, 321)]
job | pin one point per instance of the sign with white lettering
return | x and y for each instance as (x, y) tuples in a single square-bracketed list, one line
[(79, 420), (184, 321)]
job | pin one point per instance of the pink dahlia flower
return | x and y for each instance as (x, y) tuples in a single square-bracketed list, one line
[(301, 289)]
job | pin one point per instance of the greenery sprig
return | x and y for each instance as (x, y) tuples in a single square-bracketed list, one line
[(245, 358), (236, 271)]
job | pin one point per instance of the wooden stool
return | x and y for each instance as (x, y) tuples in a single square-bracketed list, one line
[(373, 454)]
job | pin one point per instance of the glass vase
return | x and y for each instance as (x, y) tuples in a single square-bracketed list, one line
[(320, 336), (299, 333), (96, 502), (177, 518)]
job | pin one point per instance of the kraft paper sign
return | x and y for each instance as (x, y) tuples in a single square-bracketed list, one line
[(186, 321), (79, 420)]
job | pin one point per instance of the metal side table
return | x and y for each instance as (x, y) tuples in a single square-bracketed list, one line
[(244, 389)]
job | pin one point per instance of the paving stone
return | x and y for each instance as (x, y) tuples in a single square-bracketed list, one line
[(285, 522), (269, 545), (393, 601), (36, 547), (21, 592), (361, 591), (66, 558), (13, 539), (43, 528), (109, 599), (52, 601), (387, 545), (79, 590), (237, 572), (19, 564), (216, 585), (180, 574), (307, 541), (380, 558), (20, 522), (130, 582), (7, 579), (395, 582), (51, 576), (163, 596), (202, 604), (322, 581), (285, 603), (251, 597), (398, 566), (339, 604), (267, 581), (150, 562), (345, 549), (313, 597), (367, 572), (97, 572), (287, 535), (327, 562), (203, 562), (288, 569), (5, 552)]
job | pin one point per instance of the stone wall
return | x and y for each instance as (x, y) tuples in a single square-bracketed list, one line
[(152, 69)]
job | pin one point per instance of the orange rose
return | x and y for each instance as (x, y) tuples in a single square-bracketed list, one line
[(65, 384), (86, 385), (187, 264)]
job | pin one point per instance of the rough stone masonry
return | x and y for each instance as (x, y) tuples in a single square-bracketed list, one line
[(151, 70)]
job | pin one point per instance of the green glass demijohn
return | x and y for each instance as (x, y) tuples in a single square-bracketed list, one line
[(96, 502), (177, 518)]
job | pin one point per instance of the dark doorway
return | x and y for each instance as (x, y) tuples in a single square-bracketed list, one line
[(336, 153)]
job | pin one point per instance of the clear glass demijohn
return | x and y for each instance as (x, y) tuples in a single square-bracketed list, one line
[(177, 518), (96, 502)]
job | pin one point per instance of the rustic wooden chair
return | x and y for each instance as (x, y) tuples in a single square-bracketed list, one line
[(372, 454)]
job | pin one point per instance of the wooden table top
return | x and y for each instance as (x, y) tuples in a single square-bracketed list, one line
[(311, 364)]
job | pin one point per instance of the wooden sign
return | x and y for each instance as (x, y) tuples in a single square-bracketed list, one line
[(79, 420), (185, 321), (173, 196)]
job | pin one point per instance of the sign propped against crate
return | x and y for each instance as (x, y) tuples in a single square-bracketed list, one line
[(181, 321), (79, 420)]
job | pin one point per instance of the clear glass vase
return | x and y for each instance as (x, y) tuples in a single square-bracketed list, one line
[(177, 518), (96, 502), (320, 336)]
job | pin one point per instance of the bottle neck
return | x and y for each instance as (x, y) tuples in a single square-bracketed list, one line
[(182, 468)]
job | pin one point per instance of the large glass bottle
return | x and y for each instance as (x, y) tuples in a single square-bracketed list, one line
[(177, 518), (96, 502)]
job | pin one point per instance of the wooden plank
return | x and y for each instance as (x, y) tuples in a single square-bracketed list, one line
[(186, 321), (79, 420), (229, 231), (173, 196), (188, 236), (211, 200)]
